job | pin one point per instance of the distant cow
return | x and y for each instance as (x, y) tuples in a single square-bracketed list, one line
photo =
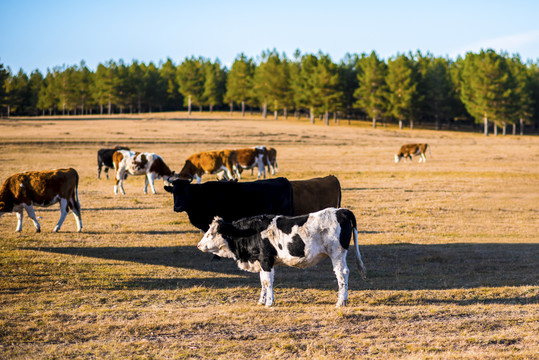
[(231, 200), (104, 158), (41, 188), (249, 158), (259, 243), (406, 151), (316, 194), (150, 165), (210, 162), (271, 160)]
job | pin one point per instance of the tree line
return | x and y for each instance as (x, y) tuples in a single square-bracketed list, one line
[(488, 88)]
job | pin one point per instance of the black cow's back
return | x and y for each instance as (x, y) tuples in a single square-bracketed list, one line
[(235, 200)]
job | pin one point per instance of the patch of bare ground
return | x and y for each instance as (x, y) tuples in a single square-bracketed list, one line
[(451, 248)]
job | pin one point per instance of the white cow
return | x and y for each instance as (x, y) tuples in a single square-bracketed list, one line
[(150, 165), (261, 242)]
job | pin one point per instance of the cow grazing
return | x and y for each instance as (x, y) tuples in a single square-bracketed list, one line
[(406, 151), (259, 243), (210, 162), (150, 165), (104, 159), (315, 194), (231, 200), (25, 190), (249, 158)]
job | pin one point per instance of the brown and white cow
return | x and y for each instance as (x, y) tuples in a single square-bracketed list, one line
[(210, 162), (406, 151), (25, 190), (150, 165), (271, 160), (249, 158)]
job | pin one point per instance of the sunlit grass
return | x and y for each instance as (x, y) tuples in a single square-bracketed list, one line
[(451, 249)]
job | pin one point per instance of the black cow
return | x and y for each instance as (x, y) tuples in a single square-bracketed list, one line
[(104, 158), (259, 243), (231, 200)]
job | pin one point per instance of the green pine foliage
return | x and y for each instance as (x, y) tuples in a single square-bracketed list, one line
[(485, 87), (372, 90)]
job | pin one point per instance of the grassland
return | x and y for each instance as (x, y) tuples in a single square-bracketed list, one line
[(451, 248)]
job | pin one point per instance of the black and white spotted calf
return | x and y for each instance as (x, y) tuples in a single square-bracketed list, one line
[(261, 242)]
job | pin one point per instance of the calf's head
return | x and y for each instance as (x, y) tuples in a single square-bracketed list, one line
[(182, 195), (397, 158), (213, 241)]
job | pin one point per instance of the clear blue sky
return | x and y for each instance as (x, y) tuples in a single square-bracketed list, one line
[(44, 34)]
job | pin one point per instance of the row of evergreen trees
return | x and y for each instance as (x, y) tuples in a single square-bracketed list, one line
[(482, 87)]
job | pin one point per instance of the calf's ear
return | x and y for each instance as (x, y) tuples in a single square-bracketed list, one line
[(168, 188), (2, 205)]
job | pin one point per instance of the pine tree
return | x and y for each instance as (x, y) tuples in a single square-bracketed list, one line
[(486, 89), (190, 76), (173, 97), (522, 99), (239, 83), (402, 88), (214, 84), (372, 91)]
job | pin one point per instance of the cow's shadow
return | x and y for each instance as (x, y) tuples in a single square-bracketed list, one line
[(389, 267)]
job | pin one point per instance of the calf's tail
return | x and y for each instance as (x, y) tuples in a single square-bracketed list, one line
[(359, 262)]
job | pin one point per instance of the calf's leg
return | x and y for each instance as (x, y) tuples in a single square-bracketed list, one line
[(20, 216), (32, 215), (63, 213), (75, 207), (266, 279), (341, 272)]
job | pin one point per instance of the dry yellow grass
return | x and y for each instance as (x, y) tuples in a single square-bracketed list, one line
[(451, 248)]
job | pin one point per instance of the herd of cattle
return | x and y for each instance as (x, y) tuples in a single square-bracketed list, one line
[(259, 224)]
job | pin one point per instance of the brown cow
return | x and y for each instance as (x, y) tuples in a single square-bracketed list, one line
[(210, 162), (406, 151), (41, 188), (248, 158), (315, 194), (271, 160)]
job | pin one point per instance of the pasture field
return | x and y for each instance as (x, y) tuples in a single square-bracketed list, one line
[(451, 248)]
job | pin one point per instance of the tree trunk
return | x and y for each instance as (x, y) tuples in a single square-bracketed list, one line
[(231, 108), (486, 125), (503, 128), (63, 109), (411, 124), (521, 126), (8, 110), (437, 122), (189, 105), (326, 118), (495, 129), (265, 110), (335, 119), (400, 124), (374, 122), (211, 108), (285, 113), (101, 107), (312, 116), (243, 108), (275, 114), (514, 129)]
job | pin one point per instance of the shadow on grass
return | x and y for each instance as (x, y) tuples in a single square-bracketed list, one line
[(389, 267)]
